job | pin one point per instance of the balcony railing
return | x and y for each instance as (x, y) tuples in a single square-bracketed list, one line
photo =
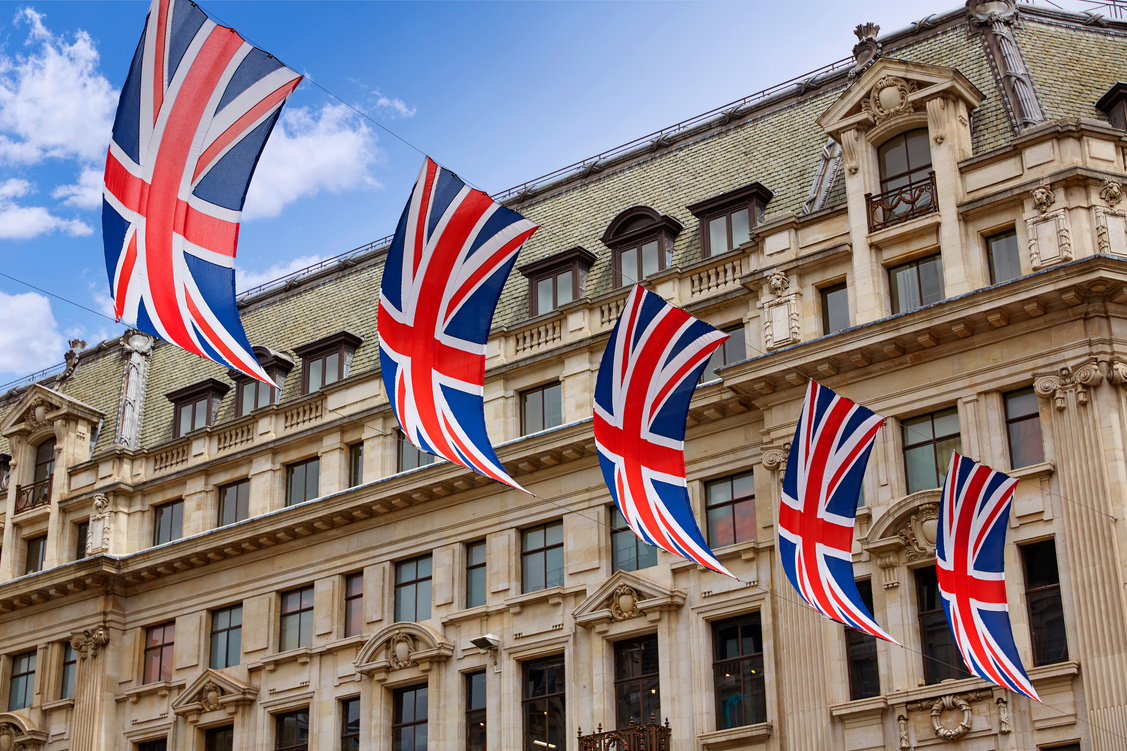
[(32, 496), (901, 204), (650, 736)]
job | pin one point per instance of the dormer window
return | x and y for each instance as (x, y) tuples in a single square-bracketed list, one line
[(326, 360), (5, 472), (196, 406), (726, 221), (907, 181), (557, 280), (252, 394), (642, 241)]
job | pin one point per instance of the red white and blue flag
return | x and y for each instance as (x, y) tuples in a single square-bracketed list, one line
[(194, 115), (969, 564), (821, 487), (452, 252), (651, 365)]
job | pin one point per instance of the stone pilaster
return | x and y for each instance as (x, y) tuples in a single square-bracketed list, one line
[(88, 686), (1089, 530), (802, 663), (136, 346)]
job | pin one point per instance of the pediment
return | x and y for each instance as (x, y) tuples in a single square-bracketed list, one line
[(27, 416), (623, 596), (400, 646), (19, 734), (892, 89), (212, 691)]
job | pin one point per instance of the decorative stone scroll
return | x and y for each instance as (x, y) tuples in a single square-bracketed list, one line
[(889, 98), (775, 459), (624, 603), (1077, 380), (90, 641), (1050, 237)]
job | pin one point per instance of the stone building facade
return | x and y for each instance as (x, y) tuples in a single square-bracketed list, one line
[(935, 228)]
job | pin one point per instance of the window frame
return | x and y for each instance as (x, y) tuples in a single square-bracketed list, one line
[(1034, 416), (617, 531), (1032, 594), (641, 681), (355, 464), (165, 667), (861, 651), (631, 230), (298, 615), (397, 715), (935, 668), (543, 391), (824, 298), (68, 671), (48, 463), (541, 703), (209, 393), (240, 503), (934, 441), (710, 507), (317, 353), (225, 634), (25, 672), (733, 350), (415, 585), (211, 738), (758, 698), (175, 524), (281, 717), (81, 538), (304, 464), (577, 260), (543, 550), (752, 197), (893, 288), (348, 734), (989, 241), (405, 449), (472, 567), (40, 541), (476, 716), (353, 603), (910, 170)]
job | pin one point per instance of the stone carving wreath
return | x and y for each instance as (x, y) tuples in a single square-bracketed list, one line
[(950, 702)]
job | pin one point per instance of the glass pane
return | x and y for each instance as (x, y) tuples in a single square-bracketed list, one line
[(714, 362), (931, 280), (721, 529), (287, 634), (743, 485), (312, 478), (835, 309), (719, 492), (943, 451), (424, 567), (1005, 261), (647, 555), (475, 553), (234, 646), (332, 368), (305, 637), (893, 158), (422, 600), (565, 288), (628, 263), (623, 546), (533, 412), (475, 587), (533, 538), (248, 392), (735, 349), (650, 262), (919, 152), (741, 228), (1021, 403), (905, 289), (744, 513), (316, 367), (553, 407), (265, 394), (185, 424), (475, 691), (297, 484), (405, 603), (544, 302), (533, 574), (919, 465), (946, 423), (201, 414), (553, 534), (718, 235)]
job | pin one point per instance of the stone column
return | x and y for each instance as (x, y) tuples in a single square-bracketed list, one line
[(136, 346), (1089, 536), (88, 687)]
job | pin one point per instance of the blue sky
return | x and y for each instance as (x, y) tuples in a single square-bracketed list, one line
[(500, 92)]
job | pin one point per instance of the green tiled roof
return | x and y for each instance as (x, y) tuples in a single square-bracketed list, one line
[(1072, 67), (97, 383)]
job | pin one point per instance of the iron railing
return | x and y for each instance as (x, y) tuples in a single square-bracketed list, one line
[(650, 736), (901, 204), (34, 495)]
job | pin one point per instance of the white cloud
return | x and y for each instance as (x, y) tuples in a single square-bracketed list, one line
[(25, 222), (394, 106), (53, 101), (247, 279), (84, 194), (309, 152), (99, 292), (29, 335)]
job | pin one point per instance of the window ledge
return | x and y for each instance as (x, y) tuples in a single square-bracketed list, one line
[(356, 640), (1033, 471), (903, 231), (477, 611), (157, 688), (858, 707), (301, 655), (745, 551), (551, 595), (735, 737), (1044, 674), (60, 704)]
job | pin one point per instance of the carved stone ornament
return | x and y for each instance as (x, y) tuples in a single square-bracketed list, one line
[(867, 49), (989, 11), (88, 642), (10, 736), (1112, 192), (1111, 230), (1049, 237), (1003, 715), (101, 503), (1043, 198), (776, 459), (889, 98), (624, 603), (778, 282), (1068, 379), (210, 695), (920, 533), (400, 648), (36, 414), (1117, 373), (902, 731), (951, 702)]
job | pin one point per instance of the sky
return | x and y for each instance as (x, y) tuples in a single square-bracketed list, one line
[(499, 92)]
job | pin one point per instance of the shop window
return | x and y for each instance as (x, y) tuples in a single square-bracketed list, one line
[(543, 704)]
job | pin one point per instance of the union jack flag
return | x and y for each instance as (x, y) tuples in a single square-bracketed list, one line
[(452, 252), (194, 115), (651, 365), (821, 487), (969, 551)]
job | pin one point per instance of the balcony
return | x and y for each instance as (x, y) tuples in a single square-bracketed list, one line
[(901, 204), (651, 736), (33, 496)]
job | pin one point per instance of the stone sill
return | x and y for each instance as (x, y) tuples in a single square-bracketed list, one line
[(270, 663), (1057, 671), (60, 704), (933, 691), (1033, 471), (871, 705), (551, 595), (474, 613), (735, 737), (345, 642), (903, 231), (158, 688)]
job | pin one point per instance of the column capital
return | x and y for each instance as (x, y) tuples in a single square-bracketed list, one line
[(1079, 379)]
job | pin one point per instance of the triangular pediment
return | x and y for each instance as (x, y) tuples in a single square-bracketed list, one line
[(626, 595), (26, 415), (213, 690), (892, 88)]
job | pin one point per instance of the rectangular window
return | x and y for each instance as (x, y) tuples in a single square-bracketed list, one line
[(21, 685), (1023, 428), (291, 731), (321, 370), (350, 724), (730, 510), (302, 481), (160, 744), (916, 284), (168, 522), (353, 604), (219, 739), (835, 308), (640, 261), (941, 657), (734, 349), (192, 416), (553, 290), (253, 395), (928, 443), (297, 619), (36, 554), (728, 231), (70, 669), (541, 408), (1042, 596), (411, 457), (475, 574), (1005, 260), (543, 705), (412, 589), (475, 711), (409, 719), (159, 641), (81, 533), (226, 637), (737, 672), (542, 557), (628, 553), (637, 694), (861, 651), (234, 502), (355, 465)]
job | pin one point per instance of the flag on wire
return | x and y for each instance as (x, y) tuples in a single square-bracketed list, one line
[(452, 252), (651, 365), (193, 118), (969, 564), (821, 487)]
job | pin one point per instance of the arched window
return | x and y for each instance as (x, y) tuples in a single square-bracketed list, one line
[(642, 241), (907, 182)]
